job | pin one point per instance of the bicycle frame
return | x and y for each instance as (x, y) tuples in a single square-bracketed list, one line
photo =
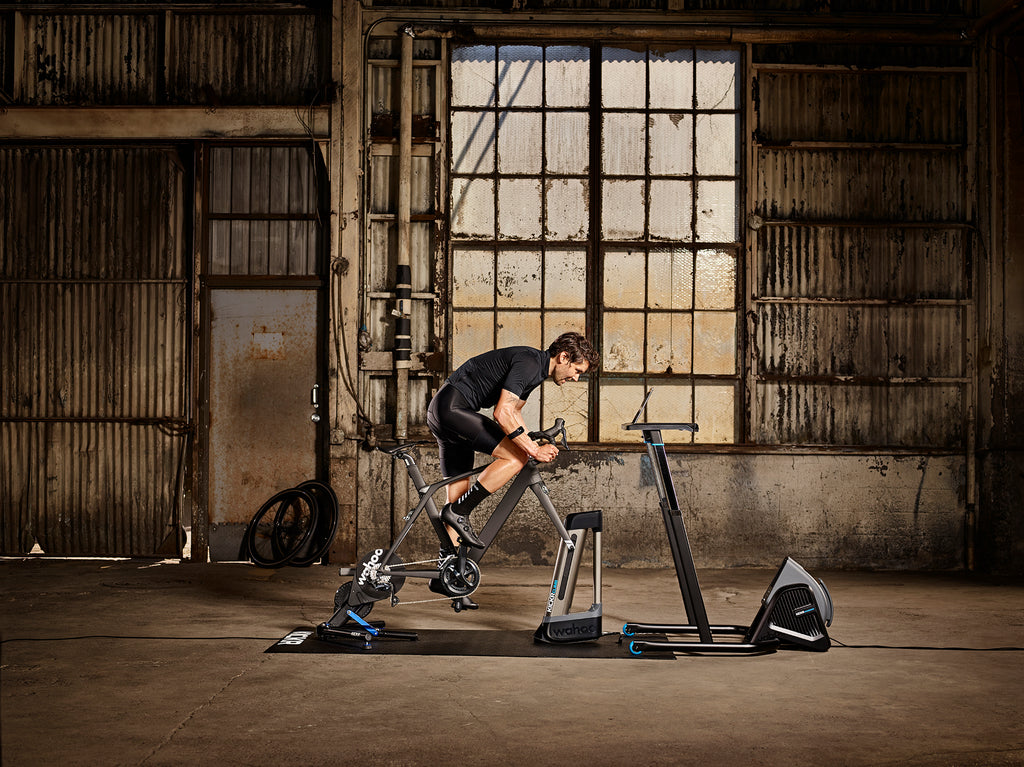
[(528, 477)]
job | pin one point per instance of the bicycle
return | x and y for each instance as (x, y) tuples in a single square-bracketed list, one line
[(455, 572)]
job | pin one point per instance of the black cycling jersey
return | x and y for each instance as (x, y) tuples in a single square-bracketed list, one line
[(518, 369)]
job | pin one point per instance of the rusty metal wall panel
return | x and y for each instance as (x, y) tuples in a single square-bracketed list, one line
[(99, 58), (861, 277), (6, 51), (268, 59), (88, 213), (926, 107), (801, 413), (94, 316), (876, 184), (837, 262), (93, 350), (863, 341), (108, 488)]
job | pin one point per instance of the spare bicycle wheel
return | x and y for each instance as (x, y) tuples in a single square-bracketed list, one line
[(280, 528), (326, 523)]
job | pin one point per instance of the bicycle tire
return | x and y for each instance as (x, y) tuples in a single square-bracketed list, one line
[(326, 523), (272, 540)]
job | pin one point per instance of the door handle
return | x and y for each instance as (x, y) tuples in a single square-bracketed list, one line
[(313, 398)]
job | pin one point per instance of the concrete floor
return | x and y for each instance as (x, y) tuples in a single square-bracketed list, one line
[(144, 663)]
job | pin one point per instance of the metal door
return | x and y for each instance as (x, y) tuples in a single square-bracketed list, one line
[(262, 438)]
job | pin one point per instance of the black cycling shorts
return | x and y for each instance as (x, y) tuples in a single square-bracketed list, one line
[(460, 431)]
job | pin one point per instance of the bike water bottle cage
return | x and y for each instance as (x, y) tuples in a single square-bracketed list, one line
[(516, 433)]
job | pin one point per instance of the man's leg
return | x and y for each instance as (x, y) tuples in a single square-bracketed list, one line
[(457, 489), (508, 461)]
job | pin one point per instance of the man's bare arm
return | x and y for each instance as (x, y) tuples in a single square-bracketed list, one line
[(509, 415)]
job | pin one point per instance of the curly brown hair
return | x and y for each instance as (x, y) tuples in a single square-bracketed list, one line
[(577, 347)]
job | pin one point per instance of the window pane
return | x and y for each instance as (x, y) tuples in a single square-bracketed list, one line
[(671, 210), (279, 252), (472, 277), (472, 213), (519, 329), (623, 78), (568, 76), (714, 343), (671, 147), (568, 209), (623, 348), (473, 334), (519, 75), (672, 403), (519, 142), (669, 339), (518, 208), (716, 412), (571, 402), (716, 211), (220, 247), (473, 75), (567, 143), (670, 279), (716, 79), (565, 278), (622, 210), (531, 412), (619, 401), (716, 145), (473, 140), (519, 278), (556, 323), (624, 279), (623, 144), (672, 79), (716, 280)]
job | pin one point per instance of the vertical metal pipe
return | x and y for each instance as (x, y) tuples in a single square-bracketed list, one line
[(403, 277)]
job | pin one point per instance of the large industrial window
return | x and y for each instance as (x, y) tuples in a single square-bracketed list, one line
[(595, 188)]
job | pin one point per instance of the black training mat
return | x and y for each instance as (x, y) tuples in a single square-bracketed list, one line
[(508, 644)]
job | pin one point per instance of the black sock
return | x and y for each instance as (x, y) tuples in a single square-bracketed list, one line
[(470, 499)]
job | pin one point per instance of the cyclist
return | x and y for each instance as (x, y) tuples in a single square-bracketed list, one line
[(501, 379)]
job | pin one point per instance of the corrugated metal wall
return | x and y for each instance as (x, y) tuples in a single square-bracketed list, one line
[(861, 307), (245, 59), (94, 290), (135, 58), (91, 59)]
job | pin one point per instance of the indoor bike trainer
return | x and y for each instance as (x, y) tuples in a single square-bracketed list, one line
[(795, 609)]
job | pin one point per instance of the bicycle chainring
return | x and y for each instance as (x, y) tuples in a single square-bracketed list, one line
[(460, 583)]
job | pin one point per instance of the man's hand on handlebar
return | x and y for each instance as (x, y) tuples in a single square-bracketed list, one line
[(547, 438), (546, 453)]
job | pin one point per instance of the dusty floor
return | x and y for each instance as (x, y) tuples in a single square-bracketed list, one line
[(144, 663)]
